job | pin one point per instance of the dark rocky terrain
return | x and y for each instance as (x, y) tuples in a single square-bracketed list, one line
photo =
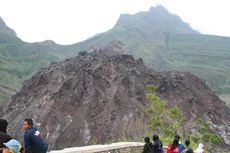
[(97, 97)]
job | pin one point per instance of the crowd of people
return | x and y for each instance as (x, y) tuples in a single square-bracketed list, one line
[(175, 147), (33, 143)]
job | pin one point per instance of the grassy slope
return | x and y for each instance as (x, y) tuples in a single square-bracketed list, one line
[(206, 56), (20, 60), (226, 98)]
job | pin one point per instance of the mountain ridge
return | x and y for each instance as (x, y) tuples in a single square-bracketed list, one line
[(157, 19), (6, 30)]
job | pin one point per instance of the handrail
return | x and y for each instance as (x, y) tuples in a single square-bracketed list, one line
[(100, 148)]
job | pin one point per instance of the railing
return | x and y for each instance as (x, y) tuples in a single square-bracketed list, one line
[(121, 147)]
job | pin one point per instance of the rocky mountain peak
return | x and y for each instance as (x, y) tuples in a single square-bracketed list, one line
[(115, 47), (157, 19), (5, 29), (158, 8)]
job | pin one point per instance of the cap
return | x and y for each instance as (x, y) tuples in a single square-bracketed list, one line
[(13, 145)]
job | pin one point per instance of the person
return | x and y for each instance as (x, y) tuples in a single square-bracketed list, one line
[(189, 150), (148, 147), (12, 146), (4, 137), (181, 146), (173, 148), (187, 143), (157, 145), (200, 149), (32, 139)]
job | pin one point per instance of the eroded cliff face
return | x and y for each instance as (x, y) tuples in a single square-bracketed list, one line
[(97, 97)]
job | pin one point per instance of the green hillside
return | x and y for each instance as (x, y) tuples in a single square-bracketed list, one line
[(204, 55), (20, 60), (226, 98)]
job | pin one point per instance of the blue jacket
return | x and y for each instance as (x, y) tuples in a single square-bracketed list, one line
[(181, 147), (33, 142)]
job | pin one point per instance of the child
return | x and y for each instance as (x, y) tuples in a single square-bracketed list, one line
[(12, 146)]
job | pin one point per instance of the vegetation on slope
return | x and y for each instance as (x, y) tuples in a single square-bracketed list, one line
[(167, 122), (20, 60)]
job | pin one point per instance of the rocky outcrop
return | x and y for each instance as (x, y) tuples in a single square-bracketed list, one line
[(6, 30), (157, 20), (95, 98)]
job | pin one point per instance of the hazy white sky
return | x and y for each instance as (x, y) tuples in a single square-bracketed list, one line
[(71, 21)]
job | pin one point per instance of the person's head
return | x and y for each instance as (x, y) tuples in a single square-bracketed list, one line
[(28, 123), (201, 146), (12, 146), (155, 137), (189, 151), (3, 125), (177, 136), (175, 144), (147, 139), (187, 143)]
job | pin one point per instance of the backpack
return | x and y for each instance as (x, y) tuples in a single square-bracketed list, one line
[(150, 147)]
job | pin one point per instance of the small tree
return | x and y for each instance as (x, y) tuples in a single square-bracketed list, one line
[(163, 120), (156, 110), (167, 122)]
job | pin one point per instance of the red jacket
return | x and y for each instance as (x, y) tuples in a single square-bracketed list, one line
[(176, 150)]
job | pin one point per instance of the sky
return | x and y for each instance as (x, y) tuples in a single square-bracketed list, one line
[(71, 21)]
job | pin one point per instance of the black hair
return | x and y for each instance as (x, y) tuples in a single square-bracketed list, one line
[(155, 137), (177, 136), (174, 144), (147, 139), (29, 121), (3, 125), (187, 142)]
